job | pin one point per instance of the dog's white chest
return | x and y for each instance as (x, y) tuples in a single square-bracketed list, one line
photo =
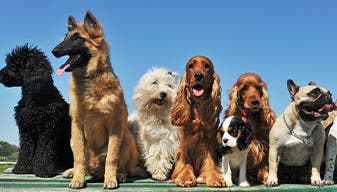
[(300, 136), (236, 158), (298, 147)]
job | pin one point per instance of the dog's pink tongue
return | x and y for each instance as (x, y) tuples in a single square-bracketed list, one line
[(60, 71), (327, 107), (316, 114), (198, 93)]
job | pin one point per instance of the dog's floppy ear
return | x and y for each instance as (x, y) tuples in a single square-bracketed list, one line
[(180, 112), (220, 126), (246, 135), (233, 100), (216, 93), (312, 83), (71, 23), (92, 26), (292, 88), (268, 113)]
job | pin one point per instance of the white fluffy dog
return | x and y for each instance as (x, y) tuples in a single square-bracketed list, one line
[(157, 138)]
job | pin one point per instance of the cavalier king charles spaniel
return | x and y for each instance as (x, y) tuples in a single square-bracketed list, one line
[(234, 137)]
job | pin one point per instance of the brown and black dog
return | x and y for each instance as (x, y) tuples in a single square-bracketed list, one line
[(100, 140)]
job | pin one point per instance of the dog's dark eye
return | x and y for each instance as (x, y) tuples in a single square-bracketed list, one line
[(190, 66), (154, 82), (329, 93), (314, 93), (259, 89), (76, 36), (221, 132), (233, 132), (207, 66), (170, 86), (244, 88)]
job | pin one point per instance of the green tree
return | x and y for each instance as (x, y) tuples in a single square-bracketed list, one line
[(7, 149)]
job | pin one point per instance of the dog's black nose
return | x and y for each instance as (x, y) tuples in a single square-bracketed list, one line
[(1, 76), (198, 76), (327, 97), (162, 94), (56, 52), (255, 102), (225, 140)]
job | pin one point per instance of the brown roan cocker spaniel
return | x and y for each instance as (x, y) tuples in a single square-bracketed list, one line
[(249, 100), (196, 111)]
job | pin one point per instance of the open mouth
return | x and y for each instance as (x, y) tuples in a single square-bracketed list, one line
[(159, 101), (321, 112), (198, 90), (70, 64)]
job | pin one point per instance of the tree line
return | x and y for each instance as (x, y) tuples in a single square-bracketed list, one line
[(8, 152)]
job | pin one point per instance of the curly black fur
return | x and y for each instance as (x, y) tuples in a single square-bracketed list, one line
[(42, 115)]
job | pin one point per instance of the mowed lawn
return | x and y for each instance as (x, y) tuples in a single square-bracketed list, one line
[(4, 167)]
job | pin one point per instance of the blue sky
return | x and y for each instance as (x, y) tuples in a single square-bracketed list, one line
[(277, 39)]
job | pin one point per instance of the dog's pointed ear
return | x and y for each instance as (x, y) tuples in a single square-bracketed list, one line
[(292, 88), (92, 26), (71, 23), (312, 83)]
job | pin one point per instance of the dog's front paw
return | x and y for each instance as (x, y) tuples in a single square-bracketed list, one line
[(77, 184), (22, 169), (201, 179), (189, 181), (68, 173), (244, 184), (328, 178), (45, 172), (215, 181), (228, 180), (110, 183), (316, 182), (159, 176), (271, 182), (121, 177), (328, 182)]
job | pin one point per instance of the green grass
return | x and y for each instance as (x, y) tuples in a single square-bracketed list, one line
[(4, 167)]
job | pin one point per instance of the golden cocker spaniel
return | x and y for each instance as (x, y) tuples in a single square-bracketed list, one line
[(249, 99)]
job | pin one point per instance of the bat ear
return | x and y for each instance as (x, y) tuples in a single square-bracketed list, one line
[(292, 88), (312, 83)]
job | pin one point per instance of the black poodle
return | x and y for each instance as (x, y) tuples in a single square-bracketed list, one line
[(42, 115)]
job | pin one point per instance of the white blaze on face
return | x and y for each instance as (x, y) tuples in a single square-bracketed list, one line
[(227, 139)]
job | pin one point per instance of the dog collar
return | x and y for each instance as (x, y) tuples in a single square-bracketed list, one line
[(305, 140)]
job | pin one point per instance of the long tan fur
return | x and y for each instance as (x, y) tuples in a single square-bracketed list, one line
[(101, 141)]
